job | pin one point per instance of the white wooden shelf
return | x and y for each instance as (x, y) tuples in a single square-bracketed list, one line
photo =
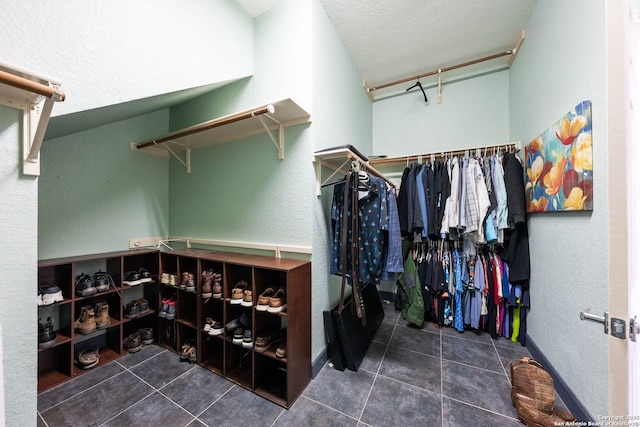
[(266, 118)]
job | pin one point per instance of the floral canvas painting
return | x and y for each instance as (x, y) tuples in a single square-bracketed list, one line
[(559, 165)]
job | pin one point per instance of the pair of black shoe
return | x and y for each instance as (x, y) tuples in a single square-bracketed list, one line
[(243, 321), (136, 308), (134, 278), (87, 285)]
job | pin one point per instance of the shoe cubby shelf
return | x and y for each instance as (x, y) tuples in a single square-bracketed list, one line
[(57, 353), (279, 379), (265, 372)]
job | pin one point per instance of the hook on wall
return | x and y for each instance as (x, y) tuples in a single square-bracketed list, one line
[(418, 84)]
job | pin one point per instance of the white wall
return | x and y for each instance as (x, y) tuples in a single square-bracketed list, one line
[(108, 53), (561, 63), (18, 274)]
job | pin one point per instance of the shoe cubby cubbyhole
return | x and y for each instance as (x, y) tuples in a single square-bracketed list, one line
[(94, 303), (212, 352), (188, 335), (215, 267), (137, 295), (136, 262), (267, 324), (186, 312), (60, 275), (238, 364), (233, 275), (54, 366), (61, 315), (212, 309), (267, 278), (271, 379), (168, 264), (167, 334), (90, 266), (188, 265), (109, 348), (133, 327)]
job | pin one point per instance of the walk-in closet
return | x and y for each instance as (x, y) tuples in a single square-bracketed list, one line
[(318, 212)]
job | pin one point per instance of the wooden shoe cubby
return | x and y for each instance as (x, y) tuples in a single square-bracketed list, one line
[(56, 363), (280, 380)]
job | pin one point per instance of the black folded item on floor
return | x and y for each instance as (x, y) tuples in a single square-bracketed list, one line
[(347, 338)]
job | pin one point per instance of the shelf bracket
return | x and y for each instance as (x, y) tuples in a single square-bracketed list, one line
[(36, 120), (35, 95), (279, 143), (187, 155)]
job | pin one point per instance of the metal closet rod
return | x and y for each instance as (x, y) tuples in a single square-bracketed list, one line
[(440, 70), (31, 86), (210, 125), (512, 146)]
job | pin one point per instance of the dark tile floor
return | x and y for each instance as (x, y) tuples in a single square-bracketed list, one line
[(409, 377)]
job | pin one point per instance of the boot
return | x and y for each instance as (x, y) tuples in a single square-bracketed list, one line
[(531, 417), (102, 315), (206, 286), (531, 384), (532, 393), (217, 285), (86, 323)]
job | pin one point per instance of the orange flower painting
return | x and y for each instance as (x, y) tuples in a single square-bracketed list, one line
[(559, 165)]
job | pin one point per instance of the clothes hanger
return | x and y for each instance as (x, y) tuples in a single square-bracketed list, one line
[(418, 84)]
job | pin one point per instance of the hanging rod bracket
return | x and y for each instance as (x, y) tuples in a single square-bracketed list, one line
[(35, 95), (279, 143), (516, 48)]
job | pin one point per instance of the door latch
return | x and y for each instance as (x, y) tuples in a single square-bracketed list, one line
[(618, 328), (595, 318), (634, 329)]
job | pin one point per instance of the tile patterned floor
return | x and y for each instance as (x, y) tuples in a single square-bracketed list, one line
[(409, 377)]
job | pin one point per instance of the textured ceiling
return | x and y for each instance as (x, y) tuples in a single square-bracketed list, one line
[(391, 39)]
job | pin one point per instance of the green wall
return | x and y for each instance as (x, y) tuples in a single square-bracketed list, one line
[(561, 63), (95, 194), (18, 275), (341, 115)]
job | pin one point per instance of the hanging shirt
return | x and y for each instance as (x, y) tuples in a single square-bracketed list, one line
[(372, 221), (471, 209), (392, 261), (453, 202), (462, 220), (514, 185), (501, 194), (405, 209), (483, 202), (421, 190), (476, 299)]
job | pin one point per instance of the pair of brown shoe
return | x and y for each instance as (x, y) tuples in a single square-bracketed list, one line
[(533, 395), (272, 300)]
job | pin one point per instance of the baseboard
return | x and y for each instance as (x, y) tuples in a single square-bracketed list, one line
[(319, 363), (562, 388)]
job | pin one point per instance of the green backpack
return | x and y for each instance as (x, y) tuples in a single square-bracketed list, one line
[(413, 311)]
